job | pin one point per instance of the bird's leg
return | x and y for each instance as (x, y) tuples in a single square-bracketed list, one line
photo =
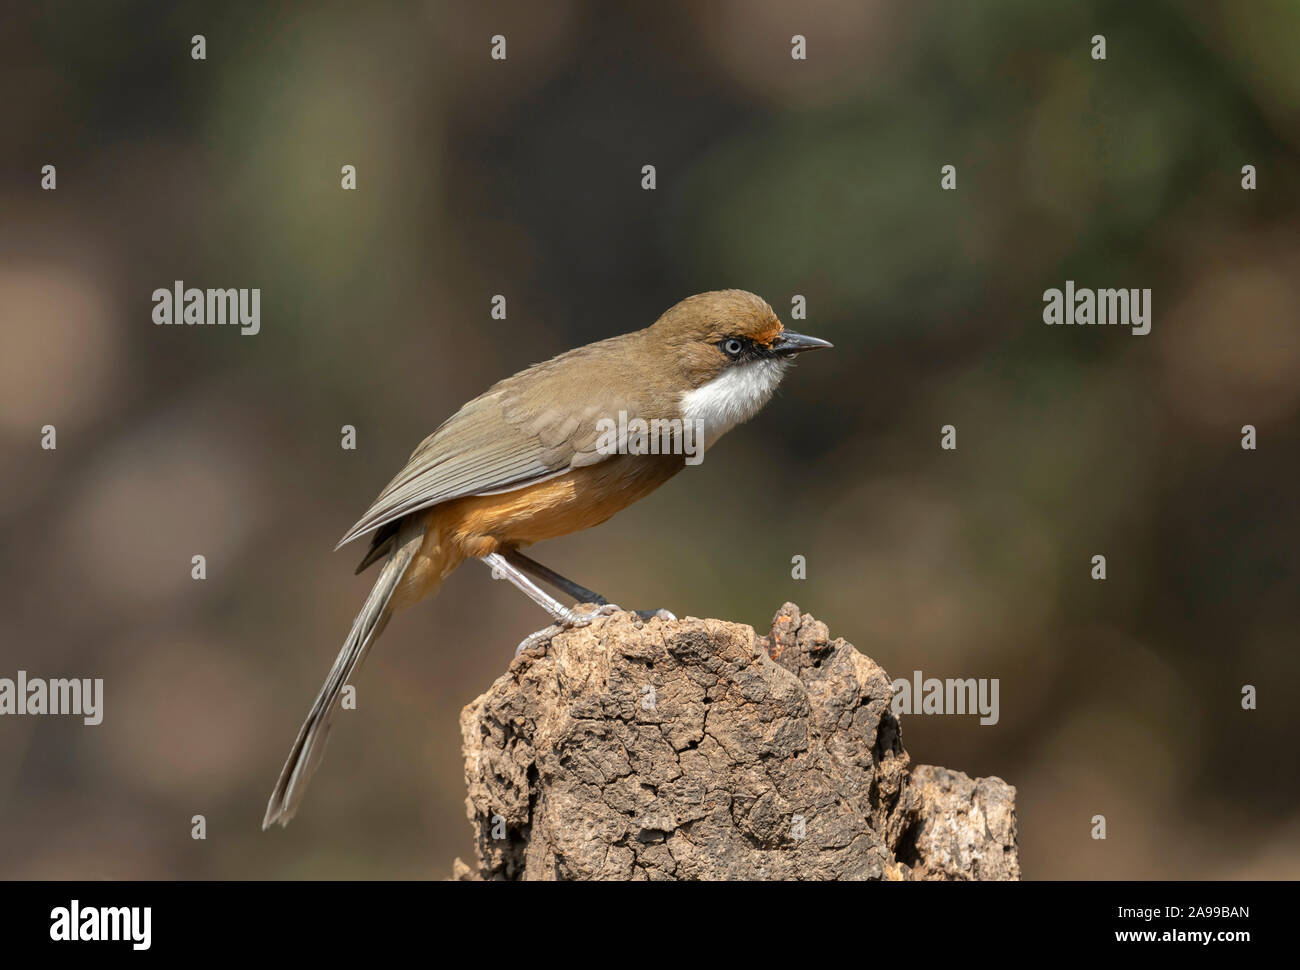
[(558, 611), (569, 587), (546, 575), (565, 618)]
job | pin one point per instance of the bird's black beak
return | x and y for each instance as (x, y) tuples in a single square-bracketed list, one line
[(788, 343)]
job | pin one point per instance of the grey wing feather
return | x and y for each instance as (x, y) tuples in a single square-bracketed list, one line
[(498, 442)]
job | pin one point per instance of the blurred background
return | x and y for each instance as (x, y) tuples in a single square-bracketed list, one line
[(522, 177)]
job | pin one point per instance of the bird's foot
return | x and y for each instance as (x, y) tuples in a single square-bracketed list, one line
[(656, 614), (540, 638), (573, 620), (577, 619)]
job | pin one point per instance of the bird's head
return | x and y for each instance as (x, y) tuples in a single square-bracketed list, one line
[(730, 352)]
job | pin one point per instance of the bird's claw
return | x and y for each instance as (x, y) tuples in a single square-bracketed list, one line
[(576, 620), (656, 614), (585, 619), (573, 621), (541, 637)]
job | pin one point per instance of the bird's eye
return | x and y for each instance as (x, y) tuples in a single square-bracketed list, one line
[(732, 347)]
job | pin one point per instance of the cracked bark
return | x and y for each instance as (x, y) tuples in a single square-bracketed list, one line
[(696, 749)]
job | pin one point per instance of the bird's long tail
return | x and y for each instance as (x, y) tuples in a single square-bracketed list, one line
[(307, 750)]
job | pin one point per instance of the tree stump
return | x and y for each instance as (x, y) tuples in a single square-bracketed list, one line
[(696, 749)]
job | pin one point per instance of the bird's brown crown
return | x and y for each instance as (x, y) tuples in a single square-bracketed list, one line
[(718, 314)]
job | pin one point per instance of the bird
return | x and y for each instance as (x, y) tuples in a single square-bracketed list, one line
[(552, 450)]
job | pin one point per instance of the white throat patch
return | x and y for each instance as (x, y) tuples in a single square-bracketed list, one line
[(735, 395)]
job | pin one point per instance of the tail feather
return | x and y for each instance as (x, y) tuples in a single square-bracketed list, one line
[(309, 746)]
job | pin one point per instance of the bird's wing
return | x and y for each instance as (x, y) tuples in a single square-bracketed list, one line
[(506, 439)]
